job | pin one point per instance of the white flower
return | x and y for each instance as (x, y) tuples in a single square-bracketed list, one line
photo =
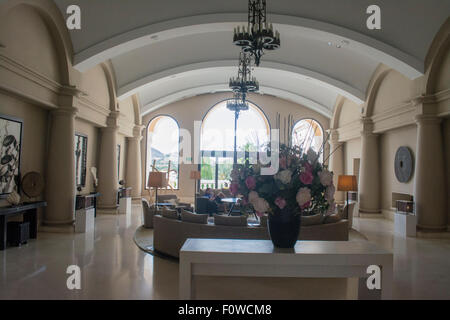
[(284, 176), (303, 196), (312, 156), (329, 193), (252, 197), (326, 177), (261, 205), (331, 208)]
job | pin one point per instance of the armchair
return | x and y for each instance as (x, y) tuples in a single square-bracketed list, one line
[(148, 213)]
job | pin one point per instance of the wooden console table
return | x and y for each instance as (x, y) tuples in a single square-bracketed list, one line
[(259, 258), (29, 211)]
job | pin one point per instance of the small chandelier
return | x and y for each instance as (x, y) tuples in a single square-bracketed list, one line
[(237, 104), (244, 83), (259, 35)]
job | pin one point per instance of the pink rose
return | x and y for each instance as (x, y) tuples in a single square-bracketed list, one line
[(259, 214), (250, 182), (234, 188), (306, 177), (306, 205), (280, 202)]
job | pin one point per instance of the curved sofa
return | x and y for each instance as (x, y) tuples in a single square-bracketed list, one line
[(169, 235)]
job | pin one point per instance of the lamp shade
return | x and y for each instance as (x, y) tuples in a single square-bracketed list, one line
[(157, 180), (347, 183), (195, 175)]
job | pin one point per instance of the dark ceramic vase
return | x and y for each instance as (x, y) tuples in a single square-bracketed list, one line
[(284, 229)]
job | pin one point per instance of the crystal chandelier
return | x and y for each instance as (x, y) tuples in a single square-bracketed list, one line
[(259, 35)]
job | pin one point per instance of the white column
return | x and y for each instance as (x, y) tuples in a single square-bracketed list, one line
[(336, 162), (107, 172), (60, 188), (429, 184), (369, 177), (134, 166)]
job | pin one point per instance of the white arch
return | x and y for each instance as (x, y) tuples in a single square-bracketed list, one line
[(122, 43), (221, 87), (340, 87)]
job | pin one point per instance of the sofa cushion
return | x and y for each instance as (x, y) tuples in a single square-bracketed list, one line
[(230, 221), (332, 218), (312, 220), (148, 214), (169, 214), (187, 216), (167, 198)]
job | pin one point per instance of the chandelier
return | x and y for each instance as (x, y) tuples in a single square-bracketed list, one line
[(244, 83), (259, 35), (237, 104)]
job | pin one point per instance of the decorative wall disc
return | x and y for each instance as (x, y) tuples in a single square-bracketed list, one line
[(33, 184), (404, 164)]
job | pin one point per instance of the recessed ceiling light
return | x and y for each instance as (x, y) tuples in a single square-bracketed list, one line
[(338, 46), (330, 43)]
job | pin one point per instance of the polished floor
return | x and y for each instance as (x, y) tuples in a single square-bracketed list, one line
[(112, 267)]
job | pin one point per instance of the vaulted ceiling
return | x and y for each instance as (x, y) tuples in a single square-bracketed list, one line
[(173, 49)]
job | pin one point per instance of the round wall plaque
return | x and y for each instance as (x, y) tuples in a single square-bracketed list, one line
[(404, 164), (33, 184)]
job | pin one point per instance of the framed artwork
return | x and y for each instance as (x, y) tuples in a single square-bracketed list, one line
[(80, 159), (10, 152)]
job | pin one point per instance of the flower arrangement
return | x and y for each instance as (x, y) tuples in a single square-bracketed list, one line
[(303, 186)]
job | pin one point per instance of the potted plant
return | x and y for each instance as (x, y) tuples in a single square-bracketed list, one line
[(302, 186)]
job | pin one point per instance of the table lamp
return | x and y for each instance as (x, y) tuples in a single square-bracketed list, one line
[(157, 180), (347, 183), (195, 175)]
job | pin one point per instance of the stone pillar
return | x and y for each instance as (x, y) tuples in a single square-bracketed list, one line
[(134, 166), (429, 184), (60, 181), (108, 183), (336, 162), (369, 177)]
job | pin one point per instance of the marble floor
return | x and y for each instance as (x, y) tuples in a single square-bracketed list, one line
[(112, 267)]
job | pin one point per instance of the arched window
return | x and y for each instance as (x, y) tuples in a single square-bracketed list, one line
[(308, 133), (217, 141), (163, 136)]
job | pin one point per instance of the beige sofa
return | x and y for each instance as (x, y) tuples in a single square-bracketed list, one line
[(169, 235)]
